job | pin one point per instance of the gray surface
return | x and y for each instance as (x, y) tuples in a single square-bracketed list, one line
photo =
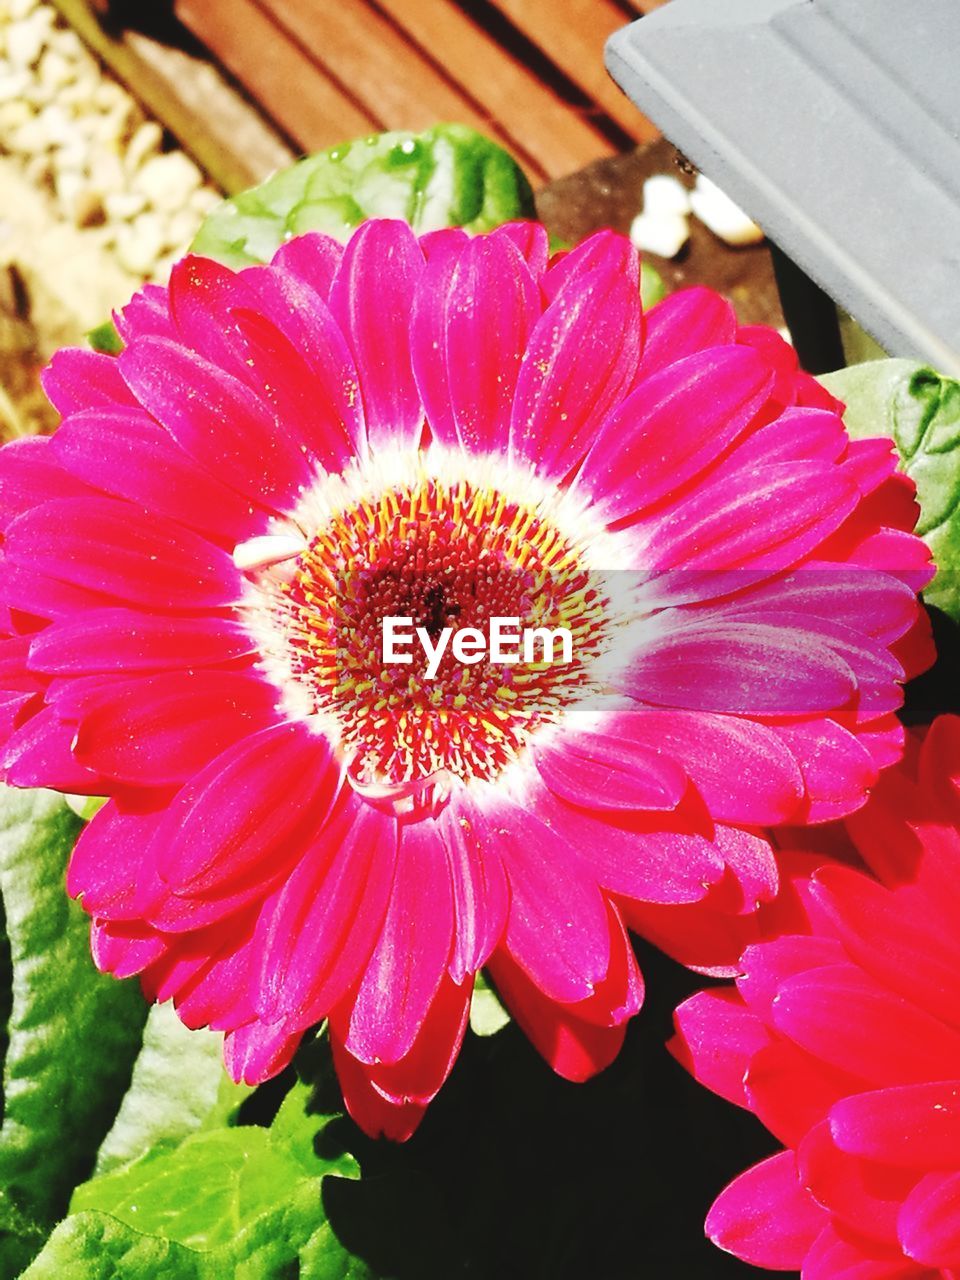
[(836, 125)]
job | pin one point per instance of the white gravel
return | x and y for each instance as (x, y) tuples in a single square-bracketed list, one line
[(94, 199), (79, 136)]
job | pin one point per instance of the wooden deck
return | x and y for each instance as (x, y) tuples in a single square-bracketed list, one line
[(527, 72)]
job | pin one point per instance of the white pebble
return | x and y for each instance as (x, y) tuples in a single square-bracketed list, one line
[(13, 115), (106, 171), (60, 129), (205, 200), (14, 82), (181, 229), (725, 219), (26, 39), (664, 234), (140, 244), (73, 155), (168, 179), (66, 42), (55, 71), (31, 138), (144, 143), (20, 9), (121, 206), (665, 194), (82, 205)]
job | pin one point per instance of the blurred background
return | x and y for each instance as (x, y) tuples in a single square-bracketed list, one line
[(124, 122)]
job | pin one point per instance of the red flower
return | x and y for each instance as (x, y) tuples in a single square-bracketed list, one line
[(845, 1040), (198, 565)]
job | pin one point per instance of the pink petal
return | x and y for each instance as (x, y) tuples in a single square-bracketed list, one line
[(893, 938), (376, 1115), (610, 770), (262, 799), (765, 967), (605, 249), (708, 935), (789, 1091), (912, 1126), (418, 1076), (889, 1041), (861, 1197), (218, 421), (220, 995), (38, 755), (558, 929), (472, 317), (480, 892), (124, 949), (30, 475), (871, 602), (313, 257), (302, 316), (37, 596), (766, 518), (740, 669), (110, 547), (838, 768), (794, 435), (929, 1225), (765, 1217), (671, 428), (580, 359), (741, 768), (78, 379), (125, 640), (327, 428), (717, 1037), (123, 452), (203, 294), (407, 965), (835, 1258), (372, 298), (161, 730), (148, 311), (581, 1038), (110, 867), (684, 323), (650, 856), (255, 1053), (532, 241), (318, 937)]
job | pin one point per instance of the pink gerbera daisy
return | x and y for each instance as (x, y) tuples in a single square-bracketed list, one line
[(843, 1036), (199, 562)]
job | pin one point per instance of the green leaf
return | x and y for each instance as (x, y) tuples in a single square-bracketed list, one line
[(85, 807), (73, 1033), (920, 411), (447, 176), (652, 287), (106, 339), (487, 1014), (178, 1086), (238, 1202)]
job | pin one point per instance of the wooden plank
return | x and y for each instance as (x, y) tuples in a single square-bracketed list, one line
[(234, 156), (387, 76), (550, 133), (572, 35), (307, 104)]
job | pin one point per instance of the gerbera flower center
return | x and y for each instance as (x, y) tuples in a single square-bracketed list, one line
[(446, 554)]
